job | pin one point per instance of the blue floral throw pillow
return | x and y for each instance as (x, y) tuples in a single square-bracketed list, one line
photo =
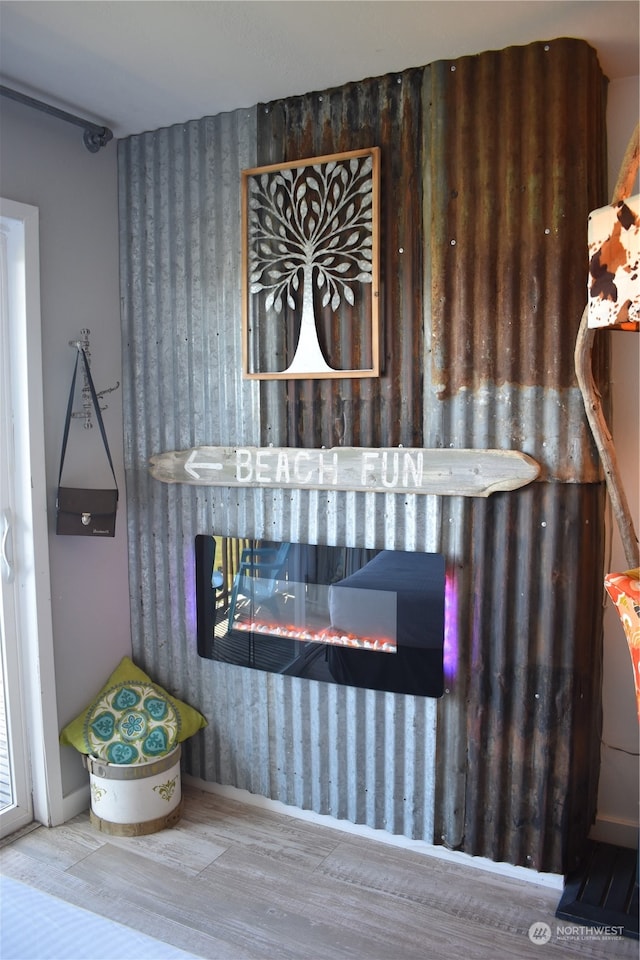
[(132, 720)]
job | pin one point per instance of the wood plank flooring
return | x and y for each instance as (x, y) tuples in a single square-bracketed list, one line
[(233, 881)]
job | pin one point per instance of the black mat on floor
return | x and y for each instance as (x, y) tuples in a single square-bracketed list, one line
[(603, 890)]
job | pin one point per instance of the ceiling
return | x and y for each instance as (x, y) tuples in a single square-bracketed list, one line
[(137, 65)]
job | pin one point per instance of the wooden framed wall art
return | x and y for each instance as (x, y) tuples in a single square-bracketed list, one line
[(310, 266)]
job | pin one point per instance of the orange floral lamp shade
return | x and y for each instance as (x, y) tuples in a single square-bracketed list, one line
[(624, 590), (614, 265)]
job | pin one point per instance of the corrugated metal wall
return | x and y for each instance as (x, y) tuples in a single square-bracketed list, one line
[(516, 162), (385, 112), (490, 165)]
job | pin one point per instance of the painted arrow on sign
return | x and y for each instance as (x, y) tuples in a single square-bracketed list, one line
[(446, 472), (192, 464)]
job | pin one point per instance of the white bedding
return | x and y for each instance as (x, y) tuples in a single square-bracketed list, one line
[(36, 926)]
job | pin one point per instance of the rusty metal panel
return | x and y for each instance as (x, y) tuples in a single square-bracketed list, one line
[(519, 725), (502, 168), (385, 112), (478, 346), (515, 163)]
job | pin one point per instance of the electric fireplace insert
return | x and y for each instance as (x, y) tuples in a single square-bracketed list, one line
[(363, 617)]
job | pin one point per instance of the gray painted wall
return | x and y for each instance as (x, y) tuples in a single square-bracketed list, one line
[(44, 163)]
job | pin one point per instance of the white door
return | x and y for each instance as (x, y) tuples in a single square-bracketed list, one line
[(15, 780), (30, 779)]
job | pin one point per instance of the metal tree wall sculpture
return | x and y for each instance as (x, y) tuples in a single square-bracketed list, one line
[(311, 238)]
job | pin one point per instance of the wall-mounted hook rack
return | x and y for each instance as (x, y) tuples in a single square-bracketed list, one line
[(83, 344)]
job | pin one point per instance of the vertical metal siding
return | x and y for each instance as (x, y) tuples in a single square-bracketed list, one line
[(514, 165), (530, 715), (384, 112), (478, 351), (517, 164), (304, 743)]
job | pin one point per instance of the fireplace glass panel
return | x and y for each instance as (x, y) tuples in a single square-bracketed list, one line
[(363, 617)]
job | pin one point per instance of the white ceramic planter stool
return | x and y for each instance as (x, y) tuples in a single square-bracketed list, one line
[(130, 800)]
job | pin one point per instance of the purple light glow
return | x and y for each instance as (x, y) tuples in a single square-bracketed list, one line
[(450, 658)]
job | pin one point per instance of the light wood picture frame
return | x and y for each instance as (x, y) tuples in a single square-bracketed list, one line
[(310, 268)]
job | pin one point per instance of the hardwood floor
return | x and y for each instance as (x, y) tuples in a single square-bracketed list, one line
[(233, 881)]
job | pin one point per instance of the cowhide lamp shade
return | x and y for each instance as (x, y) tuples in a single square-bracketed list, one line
[(614, 265)]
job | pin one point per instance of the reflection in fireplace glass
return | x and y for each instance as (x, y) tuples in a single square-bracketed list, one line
[(363, 617)]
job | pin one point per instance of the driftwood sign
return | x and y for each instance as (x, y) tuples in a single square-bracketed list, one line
[(465, 473)]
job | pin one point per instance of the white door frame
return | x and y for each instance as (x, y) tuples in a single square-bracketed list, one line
[(30, 540)]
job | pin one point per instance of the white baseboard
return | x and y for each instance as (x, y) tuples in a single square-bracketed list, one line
[(621, 833), (76, 802), (553, 880)]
